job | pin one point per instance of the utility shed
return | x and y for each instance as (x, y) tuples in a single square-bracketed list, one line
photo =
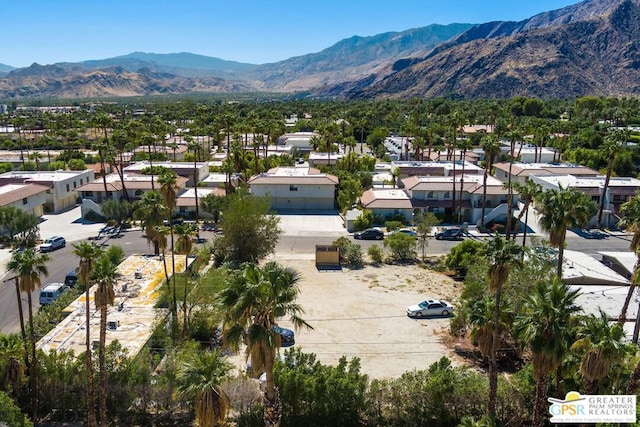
[(327, 256)]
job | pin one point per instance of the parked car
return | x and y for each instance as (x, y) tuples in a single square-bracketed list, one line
[(369, 234), (71, 278), (53, 243), (287, 336), (430, 307), (407, 231), (450, 234)]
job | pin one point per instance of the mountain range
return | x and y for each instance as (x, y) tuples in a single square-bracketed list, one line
[(590, 48)]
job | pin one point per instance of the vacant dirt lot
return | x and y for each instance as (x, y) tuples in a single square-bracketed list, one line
[(361, 313)]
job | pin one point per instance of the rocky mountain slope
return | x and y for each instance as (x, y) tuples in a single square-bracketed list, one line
[(591, 48), (149, 74), (54, 81)]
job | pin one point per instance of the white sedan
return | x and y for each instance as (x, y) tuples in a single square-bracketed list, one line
[(430, 307)]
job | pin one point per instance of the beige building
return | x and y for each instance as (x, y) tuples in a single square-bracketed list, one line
[(296, 188), (29, 198), (386, 203), (62, 185), (521, 171)]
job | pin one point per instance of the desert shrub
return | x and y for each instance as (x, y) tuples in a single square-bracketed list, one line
[(392, 225), (364, 220), (10, 413), (462, 255), (439, 396), (350, 253), (402, 246), (376, 254), (314, 394)]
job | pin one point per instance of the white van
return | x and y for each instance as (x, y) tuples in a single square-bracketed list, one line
[(52, 292)]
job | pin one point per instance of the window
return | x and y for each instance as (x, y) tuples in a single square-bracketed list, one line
[(74, 185), (67, 187), (88, 193), (447, 195), (183, 209), (138, 193), (49, 191), (293, 187), (25, 201), (430, 195)]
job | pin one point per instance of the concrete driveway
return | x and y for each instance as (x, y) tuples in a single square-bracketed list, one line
[(312, 225)]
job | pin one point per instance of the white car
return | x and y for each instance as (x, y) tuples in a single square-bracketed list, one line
[(430, 307)]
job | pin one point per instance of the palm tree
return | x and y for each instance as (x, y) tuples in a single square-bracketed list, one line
[(512, 136), (502, 255), (87, 252), (29, 266), (160, 233), (602, 343), (491, 149), (12, 352), (254, 299), (195, 147), (105, 276), (548, 312), (169, 192), (184, 245), (560, 209), (611, 147), (199, 376), (527, 192), (630, 211), (151, 210)]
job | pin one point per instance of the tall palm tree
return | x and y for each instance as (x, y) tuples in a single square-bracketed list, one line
[(151, 210), (160, 234), (602, 343), (502, 255), (195, 147), (548, 312), (87, 252), (29, 266), (199, 376), (253, 301), (611, 147), (513, 136), (491, 149), (561, 209), (527, 192), (105, 276), (169, 192), (184, 245), (630, 211)]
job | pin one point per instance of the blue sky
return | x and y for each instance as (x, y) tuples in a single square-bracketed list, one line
[(253, 31)]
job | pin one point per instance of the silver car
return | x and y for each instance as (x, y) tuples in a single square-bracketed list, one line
[(430, 307)]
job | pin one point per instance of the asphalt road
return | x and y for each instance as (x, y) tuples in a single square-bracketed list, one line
[(132, 242)]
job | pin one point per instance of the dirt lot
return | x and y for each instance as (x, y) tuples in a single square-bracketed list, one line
[(362, 313)]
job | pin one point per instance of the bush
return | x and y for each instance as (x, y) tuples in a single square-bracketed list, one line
[(364, 221), (350, 253), (393, 225), (375, 254), (402, 246), (462, 255), (10, 413), (314, 394)]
